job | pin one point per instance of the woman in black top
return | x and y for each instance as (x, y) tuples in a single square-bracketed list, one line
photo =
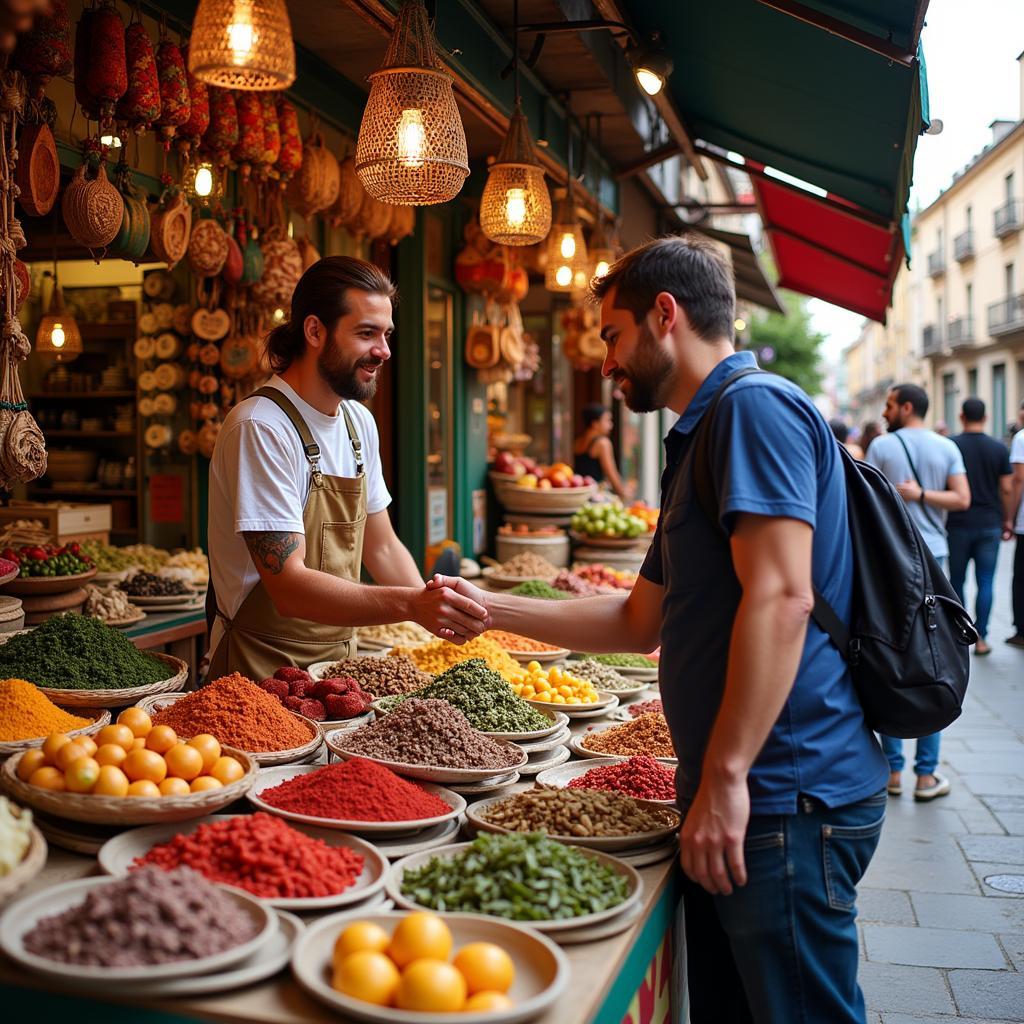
[(594, 454)]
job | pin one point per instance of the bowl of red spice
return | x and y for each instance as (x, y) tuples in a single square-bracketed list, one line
[(641, 776), (358, 796), (292, 867)]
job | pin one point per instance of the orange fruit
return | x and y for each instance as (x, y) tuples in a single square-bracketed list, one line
[(368, 976), (137, 720), (208, 746), (183, 762), (227, 770), (111, 753), (485, 966), (30, 761), (80, 776), (145, 764), (431, 985), (88, 742), (359, 937), (143, 787), (174, 787), (48, 777), (69, 752), (111, 782), (485, 1001), (139, 743), (418, 935), (203, 783), (52, 744), (161, 738), (120, 735)]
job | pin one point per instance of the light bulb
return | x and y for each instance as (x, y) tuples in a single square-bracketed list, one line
[(563, 276), (515, 206), (567, 246), (279, 315), (740, 324), (601, 268), (241, 34), (580, 280), (111, 141), (411, 136), (57, 337), (649, 81), (203, 184)]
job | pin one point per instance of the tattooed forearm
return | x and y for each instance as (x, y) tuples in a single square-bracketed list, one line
[(272, 549)]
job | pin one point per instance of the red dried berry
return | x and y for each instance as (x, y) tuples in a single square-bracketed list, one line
[(345, 705), (299, 687), (278, 687), (311, 709), (290, 672), (292, 703), (326, 687)]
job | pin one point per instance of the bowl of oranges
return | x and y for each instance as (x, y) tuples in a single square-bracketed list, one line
[(420, 968), (131, 772)]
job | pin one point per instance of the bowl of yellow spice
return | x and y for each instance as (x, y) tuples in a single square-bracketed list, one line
[(28, 716)]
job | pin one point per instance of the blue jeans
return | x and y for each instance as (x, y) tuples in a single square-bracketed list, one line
[(783, 948), (980, 543), (926, 757)]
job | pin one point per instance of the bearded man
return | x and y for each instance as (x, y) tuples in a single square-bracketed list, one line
[(298, 503)]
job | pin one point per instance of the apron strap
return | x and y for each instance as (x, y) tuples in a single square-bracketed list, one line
[(357, 445), (285, 404)]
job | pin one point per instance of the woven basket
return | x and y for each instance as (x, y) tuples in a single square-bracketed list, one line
[(264, 758), (30, 866), (93, 209), (531, 499), (344, 211), (374, 218), (123, 810), (101, 716), (207, 248), (122, 697), (316, 183), (171, 226)]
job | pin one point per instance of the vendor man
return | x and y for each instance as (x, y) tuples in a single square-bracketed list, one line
[(297, 497)]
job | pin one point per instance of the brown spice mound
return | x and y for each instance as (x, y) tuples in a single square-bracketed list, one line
[(647, 734), (238, 713)]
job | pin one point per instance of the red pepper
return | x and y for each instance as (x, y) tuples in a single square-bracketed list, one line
[(39, 554)]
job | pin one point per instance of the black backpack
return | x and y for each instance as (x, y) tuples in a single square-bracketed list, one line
[(908, 642)]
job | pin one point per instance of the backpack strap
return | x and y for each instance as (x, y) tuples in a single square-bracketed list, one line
[(920, 483), (823, 613)]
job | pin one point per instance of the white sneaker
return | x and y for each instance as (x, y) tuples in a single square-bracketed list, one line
[(941, 788)]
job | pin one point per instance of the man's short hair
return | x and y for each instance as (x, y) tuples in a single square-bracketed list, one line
[(690, 268), (915, 395), (840, 431), (973, 410)]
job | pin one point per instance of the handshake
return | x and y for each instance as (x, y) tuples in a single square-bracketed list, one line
[(452, 609)]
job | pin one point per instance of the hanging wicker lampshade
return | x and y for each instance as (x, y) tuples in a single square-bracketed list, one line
[(411, 149), (602, 252), (242, 44), (515, 208), (58, 335), (568, 268)]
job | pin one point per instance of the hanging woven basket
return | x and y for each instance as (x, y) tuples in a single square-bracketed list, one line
[(411, 148), (207, 248), (315, 186), (403, 223), (38, 170), (139, 107), (374, 218), (132, 240), (92, 209), (344, 211)]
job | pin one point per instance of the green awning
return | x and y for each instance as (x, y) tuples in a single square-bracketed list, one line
[(790, 95)]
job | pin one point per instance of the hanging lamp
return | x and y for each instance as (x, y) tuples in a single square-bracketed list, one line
[(602, 252), (515, 208), (411, 149), (58, 335), (567, 265), (242, 44)]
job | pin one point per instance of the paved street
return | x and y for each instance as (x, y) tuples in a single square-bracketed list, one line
[(938, 944)]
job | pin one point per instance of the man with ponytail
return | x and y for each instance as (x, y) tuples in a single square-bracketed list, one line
[(298, 503)]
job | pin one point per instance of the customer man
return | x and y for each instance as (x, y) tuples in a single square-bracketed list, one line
[(1017, 503), (781, 782), (928, 471), (974, 535), (298, 503)]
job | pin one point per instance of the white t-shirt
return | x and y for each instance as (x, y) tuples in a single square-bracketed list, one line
[(1017, 457), (260, 479)]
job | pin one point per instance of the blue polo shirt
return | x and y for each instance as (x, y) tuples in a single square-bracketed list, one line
[(772, 454)]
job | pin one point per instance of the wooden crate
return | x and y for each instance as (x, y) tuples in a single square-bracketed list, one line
[(65, 521)]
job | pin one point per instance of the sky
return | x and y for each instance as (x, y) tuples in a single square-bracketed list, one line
[(973, 78)]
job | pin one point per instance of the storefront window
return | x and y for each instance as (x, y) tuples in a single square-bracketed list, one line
[(438, 353)]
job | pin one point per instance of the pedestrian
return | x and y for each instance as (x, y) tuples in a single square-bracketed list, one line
[(975, 535), (841, 432), (928, 471), (780, 781), (595, 456), (1017, 503), (868, 433)]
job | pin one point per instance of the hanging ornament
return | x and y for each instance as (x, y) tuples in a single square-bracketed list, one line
[(249, 147), (92, 209), (174, 100), (89, 103), (38, 170), (139, 107), (106, 70), (132, 241), (289, 158), (44, 52), (222, 135), (271, 133), (411, 148), (190, 133)]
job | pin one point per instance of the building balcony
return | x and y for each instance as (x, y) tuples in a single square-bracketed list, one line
[(1006, 317), (936, 264), (963, 246), (931, 340), (1007, 218), (960, 332)]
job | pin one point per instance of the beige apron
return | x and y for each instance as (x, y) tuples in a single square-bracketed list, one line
[(258, 641)]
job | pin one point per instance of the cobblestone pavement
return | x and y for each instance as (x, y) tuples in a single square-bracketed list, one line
[(937, 943)]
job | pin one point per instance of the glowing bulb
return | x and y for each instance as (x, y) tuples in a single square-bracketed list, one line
[(279, 315), (57, 337), (567, 246), (203, 184), (241, 33), (411, 136), (515, 206), (649, 81), (601, 268), (740, 324), (580, 280), (111, 141), (563, 276)]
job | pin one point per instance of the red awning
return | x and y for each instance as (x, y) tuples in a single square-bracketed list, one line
[(828, 248)]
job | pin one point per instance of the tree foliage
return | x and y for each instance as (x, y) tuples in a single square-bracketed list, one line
[(788, 345)]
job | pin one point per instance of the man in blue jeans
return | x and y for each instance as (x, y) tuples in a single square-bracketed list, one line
[(780, 781), (975, 535)]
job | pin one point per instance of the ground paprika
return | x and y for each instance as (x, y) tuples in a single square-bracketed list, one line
[(640, 777)]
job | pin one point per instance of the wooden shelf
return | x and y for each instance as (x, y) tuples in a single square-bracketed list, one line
[(89, 433), (83, 394), (82, 492)]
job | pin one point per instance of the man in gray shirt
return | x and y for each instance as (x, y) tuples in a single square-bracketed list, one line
[(929, 472)]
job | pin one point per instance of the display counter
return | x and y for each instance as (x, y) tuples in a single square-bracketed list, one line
[(182, 634)]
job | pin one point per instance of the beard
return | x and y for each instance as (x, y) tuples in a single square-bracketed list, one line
[(649, 379), (340, 374)]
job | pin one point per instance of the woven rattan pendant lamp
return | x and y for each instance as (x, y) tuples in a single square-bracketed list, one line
[(568, 267), (242, 44), (602, 251), (58, 335), (411, 149)]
